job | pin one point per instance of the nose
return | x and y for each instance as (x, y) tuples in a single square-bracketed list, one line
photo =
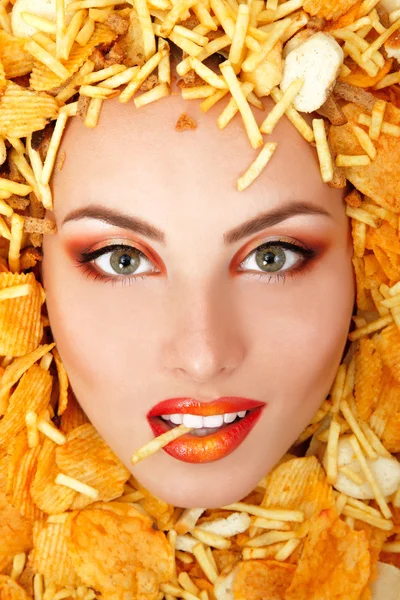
[(205, 341)]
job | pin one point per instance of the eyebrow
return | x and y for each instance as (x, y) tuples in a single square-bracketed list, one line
[(249, 227)]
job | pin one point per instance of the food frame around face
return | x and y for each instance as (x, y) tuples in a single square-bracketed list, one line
[(73, 521)]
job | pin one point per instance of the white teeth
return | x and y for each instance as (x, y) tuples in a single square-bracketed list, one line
[(229, 417), (199, 422), (214, 421), (176, 419), (195, 421)]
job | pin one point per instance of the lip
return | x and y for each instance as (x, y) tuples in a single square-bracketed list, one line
[(209, 448), (219, 406)]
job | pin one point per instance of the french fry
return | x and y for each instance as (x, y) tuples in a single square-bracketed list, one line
[(93, 113), (257, 166), (76, 485), (378, 113), (323, 150), (343, 160), (47, 59), (85, 32), (159, 442), (239, 37), (39, 22), (159, 91), (370, 478), (268, 125), (250, 123), (295, 117), (365, 141), (140, 76), (149, 41)]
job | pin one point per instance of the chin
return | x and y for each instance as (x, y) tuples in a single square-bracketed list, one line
[(195, 492)]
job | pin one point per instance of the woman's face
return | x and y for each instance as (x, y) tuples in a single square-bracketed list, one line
[(164, 281)]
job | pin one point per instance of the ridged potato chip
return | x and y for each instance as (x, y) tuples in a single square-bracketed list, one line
[(160, 510), (15, 532), (256, 579), (16, 369), (368, 375), (299, 484), (388, 343), (10, 590), (376, 539), (32, 393), (22, 480), (23, 111), (385, 237), (388, 403), (73, 416), (335, 562), (50, 556), (20, 318), (16, 61), (42, 79), (379, 180), (328, 9), (47, 495), (115, 549), (391, 435), (86, 457), (62, 383)]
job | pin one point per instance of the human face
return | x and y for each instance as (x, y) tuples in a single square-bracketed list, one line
[(201, 315)]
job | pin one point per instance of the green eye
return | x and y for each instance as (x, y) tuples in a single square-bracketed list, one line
[(123, 260), (275, 257), (271, 259)]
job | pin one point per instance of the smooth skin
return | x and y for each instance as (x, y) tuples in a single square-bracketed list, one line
[(199, 320)]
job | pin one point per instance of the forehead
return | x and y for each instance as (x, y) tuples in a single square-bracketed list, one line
[(137, 156)]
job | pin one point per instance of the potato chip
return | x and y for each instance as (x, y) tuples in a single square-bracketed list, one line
[(11, 590), (15, 532), (86, 457), (24, 472), (160, 510), (256, 579), (23, 111), (391, 434), (47, 495), (62, 383), (299, 484), (388, 343), (379, 180), (16, 369), (328, 9), (114, 548), (73, 416), (42, 79), (367, 378), (376, 540), (359, 78), (50, 556), (386, 237), (20, 323), (32, 393), (15, 59), (335, 559)]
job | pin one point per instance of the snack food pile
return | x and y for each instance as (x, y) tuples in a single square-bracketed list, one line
[(73, 522)]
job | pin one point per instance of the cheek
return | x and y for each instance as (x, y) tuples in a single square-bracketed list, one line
[(302, 337)]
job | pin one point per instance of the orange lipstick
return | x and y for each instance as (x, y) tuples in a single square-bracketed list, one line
[(219, 427)]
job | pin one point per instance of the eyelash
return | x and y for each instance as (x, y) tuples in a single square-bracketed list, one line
[(85, 259)]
